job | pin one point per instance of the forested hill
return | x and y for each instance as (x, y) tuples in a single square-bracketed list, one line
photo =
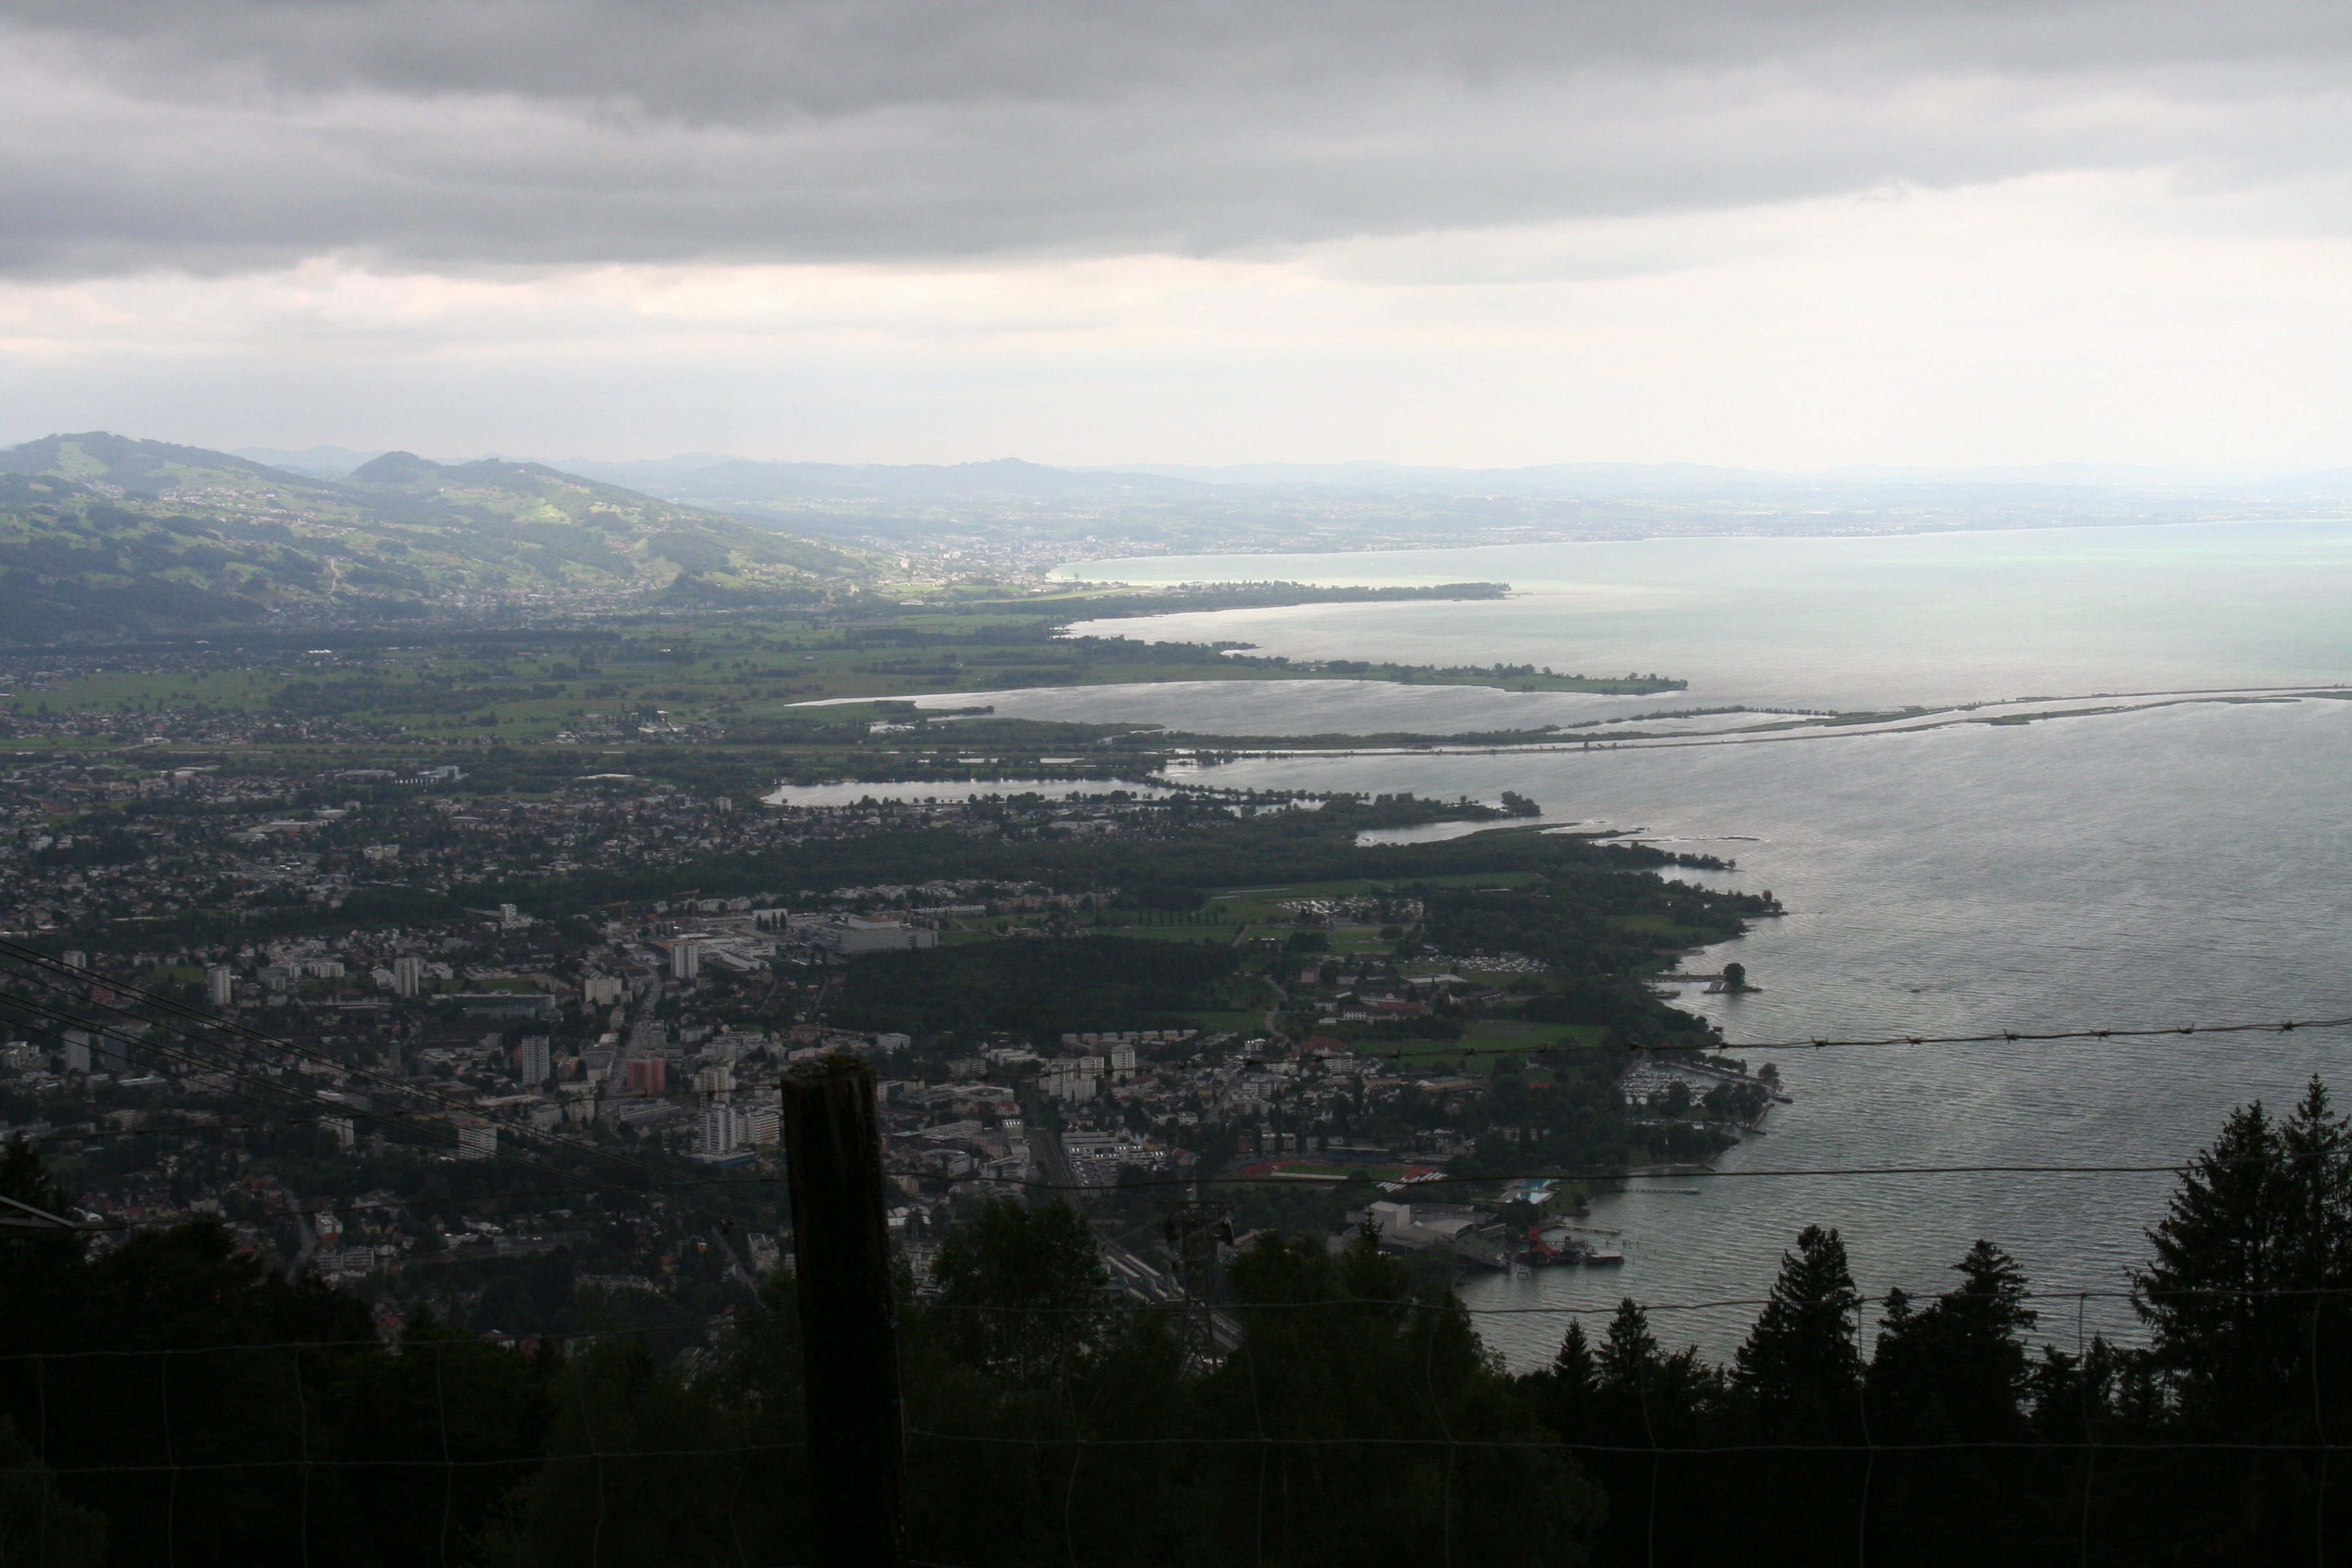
[(104, 533)]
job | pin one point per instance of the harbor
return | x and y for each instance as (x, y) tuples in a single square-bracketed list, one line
[(1476, 1238)]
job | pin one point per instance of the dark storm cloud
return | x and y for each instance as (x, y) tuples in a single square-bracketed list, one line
[(227, 136)]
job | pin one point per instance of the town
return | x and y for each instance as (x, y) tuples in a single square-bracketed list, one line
[(319, 1005)]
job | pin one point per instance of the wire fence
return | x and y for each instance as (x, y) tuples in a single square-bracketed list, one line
[(55, 1386), (1432, 1423)]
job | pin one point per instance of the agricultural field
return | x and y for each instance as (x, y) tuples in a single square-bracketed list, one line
[(832, 694)]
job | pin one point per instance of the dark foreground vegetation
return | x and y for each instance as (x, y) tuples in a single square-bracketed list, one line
[(166, 1400)]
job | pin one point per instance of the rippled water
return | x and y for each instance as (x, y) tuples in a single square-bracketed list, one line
[(2149, 870), (1839, 622), (2179, 865)]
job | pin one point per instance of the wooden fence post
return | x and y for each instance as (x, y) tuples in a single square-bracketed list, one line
[(849, 1339)]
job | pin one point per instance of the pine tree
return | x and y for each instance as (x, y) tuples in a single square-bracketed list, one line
[(2247, 1321), (1573, 1368), (1662, 1502), (1565, 1393), (1945, 1382), (1801, 1351), (2241, 1228), (1796, 1395), (1631, 1351), (1962, 1353)]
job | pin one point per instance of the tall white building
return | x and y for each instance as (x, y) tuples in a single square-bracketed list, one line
[(478, 1140), (532, 1060), (407, 974), (1072, 1079), (685, 960), (718, 1132), (220, 984)]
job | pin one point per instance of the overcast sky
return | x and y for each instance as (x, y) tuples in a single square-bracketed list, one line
[(1765, 232)]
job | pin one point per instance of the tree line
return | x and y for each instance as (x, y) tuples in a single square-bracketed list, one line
[(168, 1400)]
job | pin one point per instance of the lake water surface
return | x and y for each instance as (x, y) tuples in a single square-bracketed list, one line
[(2188, 864), (1834, 623)]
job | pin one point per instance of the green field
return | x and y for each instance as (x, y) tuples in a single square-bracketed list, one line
[(1212, 1022), (1172, 933), (811, 685), (1486, 1043), (1262, 905)]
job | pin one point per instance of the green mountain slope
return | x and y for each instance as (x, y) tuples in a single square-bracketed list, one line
[(104, 533)]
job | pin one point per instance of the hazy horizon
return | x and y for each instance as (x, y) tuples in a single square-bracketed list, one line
[(2084, 470)]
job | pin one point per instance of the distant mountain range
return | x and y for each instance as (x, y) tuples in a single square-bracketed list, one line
[(1030, 516), (1018, 516), (1006, 478), (101, 533), (1607, 479), (707, 474)]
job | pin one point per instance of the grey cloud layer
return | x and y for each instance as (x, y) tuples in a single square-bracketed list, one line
[(230, 136)]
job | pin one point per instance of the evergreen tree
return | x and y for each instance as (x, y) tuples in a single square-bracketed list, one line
[(1652, 1407), (1565, 1394), (1963, 1354), (1797, 1397), (2245, 1300), (1573, 1367), (1566, 1389), (1365, 1378), (2259, 1229), (1801, 1351), (1630, 1352), (1944, 1386)]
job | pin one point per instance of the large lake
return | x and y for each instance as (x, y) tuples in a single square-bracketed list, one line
[(1836, 623), (2185, 864)]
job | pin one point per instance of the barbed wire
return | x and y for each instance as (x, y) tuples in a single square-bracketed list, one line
[(1438, 1179), (56, 975), (1446, 1441), (1418, 1304), (1436, 1054), (1466, 1052)]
